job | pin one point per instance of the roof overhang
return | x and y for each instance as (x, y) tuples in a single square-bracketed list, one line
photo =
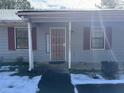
[(72, 15)]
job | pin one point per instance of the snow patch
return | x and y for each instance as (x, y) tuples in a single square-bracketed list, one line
[(6, 67), (17, 84), (121, 76), (99, 76), (77, 79)]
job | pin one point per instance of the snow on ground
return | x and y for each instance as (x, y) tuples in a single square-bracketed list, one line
[(17, 84), (77, 79), (6, 67), (121, 76)]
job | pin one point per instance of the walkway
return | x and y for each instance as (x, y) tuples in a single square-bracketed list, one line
[(54, 82)]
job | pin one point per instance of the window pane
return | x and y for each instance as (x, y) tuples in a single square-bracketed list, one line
[(21, 32), (98, 34), (21, 38), (21, 29), (97, 43), (22, 43)]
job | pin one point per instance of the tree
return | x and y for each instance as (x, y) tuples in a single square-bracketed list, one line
[(111, 4), (121, 4), (15, 4)]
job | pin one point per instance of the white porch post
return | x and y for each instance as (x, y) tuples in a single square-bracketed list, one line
[(69, 50), (31, 64)]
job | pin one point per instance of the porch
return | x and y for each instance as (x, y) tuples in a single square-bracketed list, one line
[(58, 38), (83, 22)]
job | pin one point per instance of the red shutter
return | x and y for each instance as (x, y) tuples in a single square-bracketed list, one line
[(34, 38), (86, 38), (11, 39), (108, 38)]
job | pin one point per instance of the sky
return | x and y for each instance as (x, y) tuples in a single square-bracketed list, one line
[(62, 4)]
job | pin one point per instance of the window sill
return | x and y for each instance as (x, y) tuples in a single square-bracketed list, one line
[(22, 48), (97, 49)]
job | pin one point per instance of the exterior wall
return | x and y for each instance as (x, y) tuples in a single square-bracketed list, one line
[(41, 54), (5, 54), (85, 59), (80, 58), (80, 55)]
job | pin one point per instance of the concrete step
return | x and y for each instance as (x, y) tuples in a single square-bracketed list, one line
[(62, 68)]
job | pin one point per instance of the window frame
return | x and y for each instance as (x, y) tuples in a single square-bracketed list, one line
[(95, 30), (15, 31), (47, 38)]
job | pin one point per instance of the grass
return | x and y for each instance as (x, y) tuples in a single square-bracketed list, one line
[(80, 71), (22, 69)]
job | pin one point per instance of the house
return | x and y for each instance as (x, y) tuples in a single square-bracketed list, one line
[(80, 38)]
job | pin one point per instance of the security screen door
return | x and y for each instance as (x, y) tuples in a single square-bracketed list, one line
[(58, 44)]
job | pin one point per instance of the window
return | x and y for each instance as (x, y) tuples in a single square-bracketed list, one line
[(21, 38), (97, 39)]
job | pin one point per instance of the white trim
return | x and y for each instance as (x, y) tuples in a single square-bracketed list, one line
[(31, 59), (69, 46), (47, 37), (65, 44), (57, 28), (50, 43), (21, 27), (15, 36), (50, 40), (91, 41), (67, 11)]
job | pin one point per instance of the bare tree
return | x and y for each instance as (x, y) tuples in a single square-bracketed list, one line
[(15, 4), (110, 4)]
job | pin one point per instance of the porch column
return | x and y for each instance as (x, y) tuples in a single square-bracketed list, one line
[(31, 63), (69, 50)]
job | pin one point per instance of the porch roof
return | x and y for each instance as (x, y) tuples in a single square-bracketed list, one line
[(72, 15), (8, 16)]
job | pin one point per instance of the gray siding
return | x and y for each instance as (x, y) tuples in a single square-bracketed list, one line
[(41, 54), (78, 54), (116, 53), (5, 54)]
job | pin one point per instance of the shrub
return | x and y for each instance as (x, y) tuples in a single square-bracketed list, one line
[(110, 69), (20, 59), (1, 59)]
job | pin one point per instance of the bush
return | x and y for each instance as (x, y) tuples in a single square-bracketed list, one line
[(110, 69), (20, 59), (1, 59)]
